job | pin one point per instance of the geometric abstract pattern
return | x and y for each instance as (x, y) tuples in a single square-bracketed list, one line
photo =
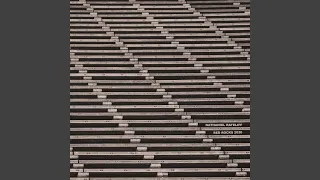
[(160, 89)]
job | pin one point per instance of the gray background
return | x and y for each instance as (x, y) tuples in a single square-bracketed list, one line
[(35, 90)]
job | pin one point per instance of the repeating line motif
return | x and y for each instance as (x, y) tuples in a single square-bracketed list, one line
[(160, 89)]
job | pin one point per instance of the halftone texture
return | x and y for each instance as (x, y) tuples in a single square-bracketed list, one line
[(160, 89)]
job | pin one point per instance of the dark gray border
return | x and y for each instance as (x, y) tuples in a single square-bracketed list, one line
[(285, 96), (34, 90)]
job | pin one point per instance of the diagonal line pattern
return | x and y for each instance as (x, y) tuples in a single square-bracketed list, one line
[(159, 89)]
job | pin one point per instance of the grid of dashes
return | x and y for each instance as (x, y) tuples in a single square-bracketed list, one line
[(160, 89)]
